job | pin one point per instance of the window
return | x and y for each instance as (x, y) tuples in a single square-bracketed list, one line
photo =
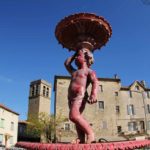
[(44, 88), (148, 123), (116, 93), (148, 95), (132, 126), (37, 90), (137, 88), (130, 110), (12, 126), (2, 123), (1, 138), (117, 109), (148, 108), (47, 92), (100, 104), (144, 94), (101, 88), (130, 94), (67, 126), (119, 129), (142, 126), (104, 125), (32, 91), (11, 140)]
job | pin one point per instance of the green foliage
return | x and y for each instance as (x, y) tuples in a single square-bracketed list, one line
[(44, 125)]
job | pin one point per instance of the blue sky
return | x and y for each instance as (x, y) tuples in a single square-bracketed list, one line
[(30, 51)]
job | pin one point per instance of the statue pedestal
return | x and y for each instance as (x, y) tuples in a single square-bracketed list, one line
[(96, 146)]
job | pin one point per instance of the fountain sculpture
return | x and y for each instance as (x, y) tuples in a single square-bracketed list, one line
[(82, 33)]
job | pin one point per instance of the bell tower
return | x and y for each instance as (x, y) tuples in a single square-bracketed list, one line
[(39, 97)]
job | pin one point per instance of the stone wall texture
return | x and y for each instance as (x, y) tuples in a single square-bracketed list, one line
[(121, 112)]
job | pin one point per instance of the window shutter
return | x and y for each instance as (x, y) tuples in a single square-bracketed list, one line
[(133, 109), (128, 110)]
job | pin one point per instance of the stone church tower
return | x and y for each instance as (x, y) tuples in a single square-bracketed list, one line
[(39, 97)]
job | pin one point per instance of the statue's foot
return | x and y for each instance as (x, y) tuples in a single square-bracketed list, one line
[(90, 138), (76, 141)]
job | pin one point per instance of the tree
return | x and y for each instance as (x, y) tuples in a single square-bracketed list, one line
[(44, 126)]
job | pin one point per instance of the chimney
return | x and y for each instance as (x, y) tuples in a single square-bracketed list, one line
[(143, 83), (116, 76)]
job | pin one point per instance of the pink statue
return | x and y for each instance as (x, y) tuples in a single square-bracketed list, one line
[(77, 92), (82, 33)]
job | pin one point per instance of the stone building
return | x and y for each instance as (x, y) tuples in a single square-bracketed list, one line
[(39, 102), (121, 112), (23, 135), (8, 126), (39, 97)]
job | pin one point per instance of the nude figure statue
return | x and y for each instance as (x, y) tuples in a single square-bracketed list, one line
[(77, 91)]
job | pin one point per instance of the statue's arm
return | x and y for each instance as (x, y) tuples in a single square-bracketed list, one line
[(94, 90), (68, 64)]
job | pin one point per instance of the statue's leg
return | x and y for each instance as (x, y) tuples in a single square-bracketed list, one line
[(82, 106), (81, 134), (80, 122)]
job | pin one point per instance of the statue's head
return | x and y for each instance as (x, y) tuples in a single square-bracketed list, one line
[(84, 56), (80, 58), (89, 57)]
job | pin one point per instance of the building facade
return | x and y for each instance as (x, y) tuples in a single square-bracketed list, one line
[(39, 102), (120, 112), (8, 126), (23, 135), (39, 97)]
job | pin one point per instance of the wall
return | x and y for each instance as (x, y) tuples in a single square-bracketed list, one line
[(105, 122), (8, 118)]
